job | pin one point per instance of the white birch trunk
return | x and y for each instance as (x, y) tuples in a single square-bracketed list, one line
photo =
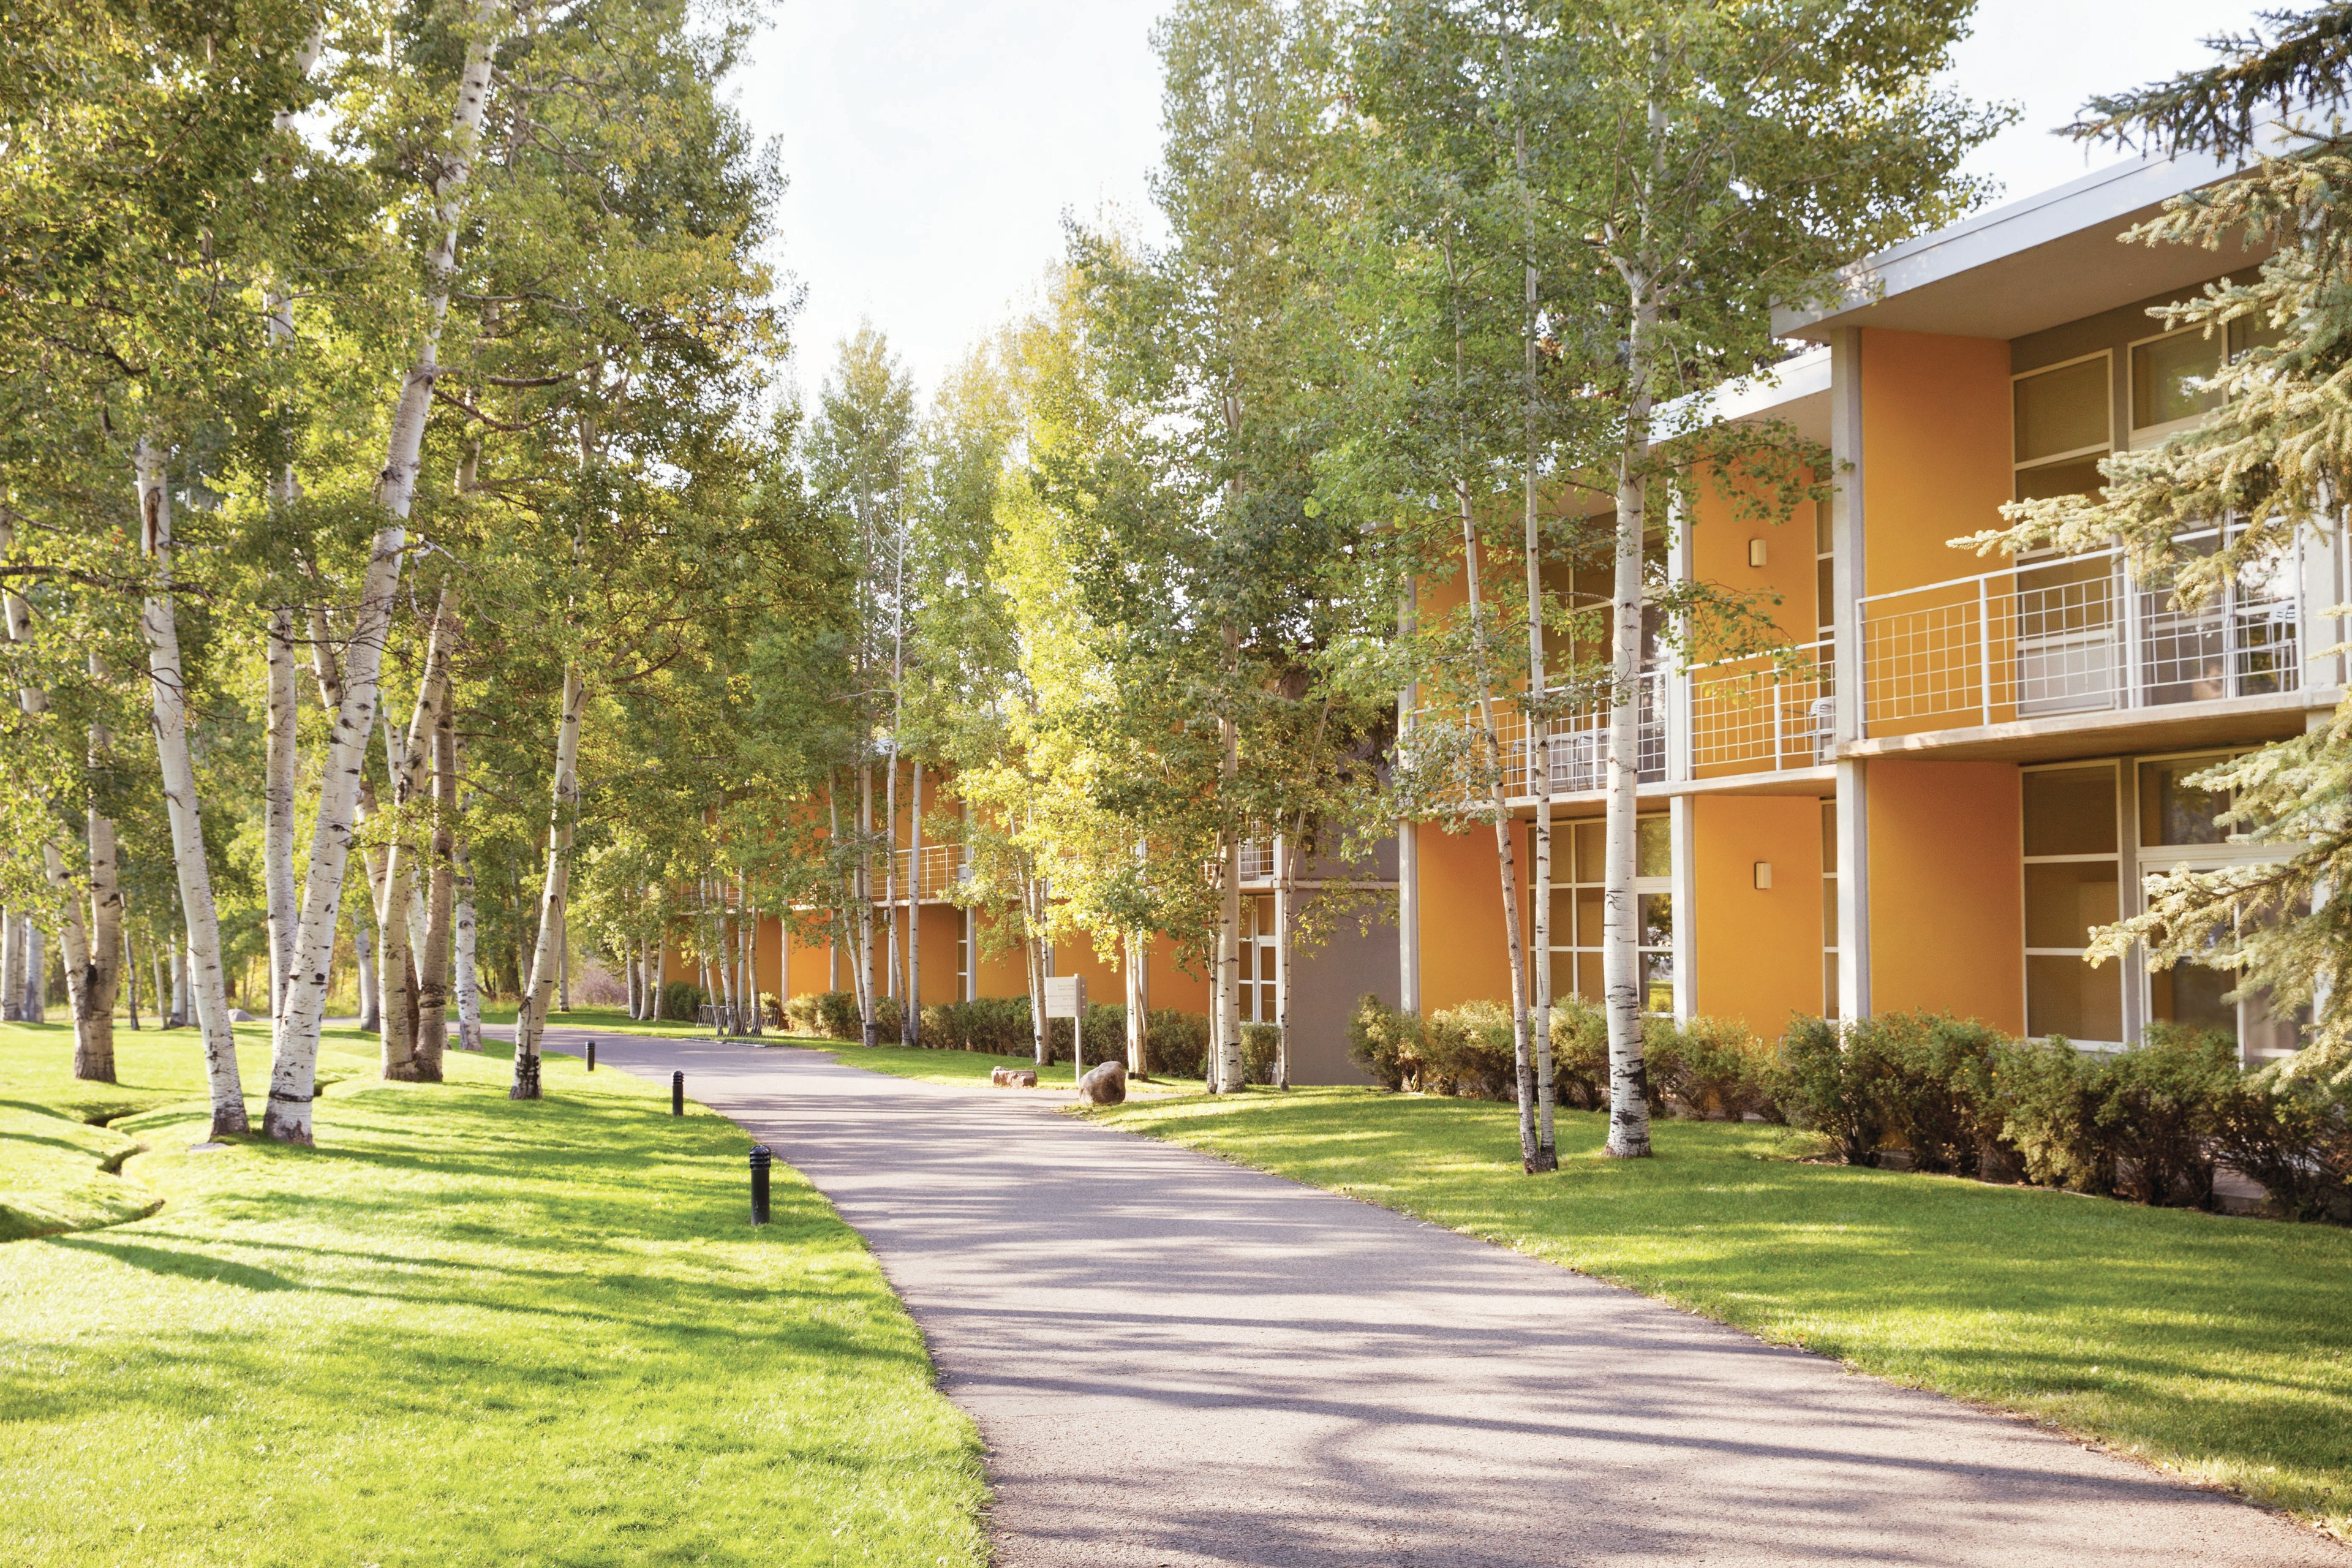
[(1284, 852), (11, 965), (73, 934), (468, 983), (159, 621), (35, 1008), (1628, 1082), (278, 798), (101, 964), (433, 957), (912, 1032), (532, 1018), (363, 972), (869, 1025), (294, 1064), (1545, 1156), (1498, 809), (406, 934)]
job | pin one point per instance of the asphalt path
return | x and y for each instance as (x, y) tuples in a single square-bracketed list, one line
[(1176, 1361)]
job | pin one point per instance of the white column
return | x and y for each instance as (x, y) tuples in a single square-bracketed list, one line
[(1847, 577), (1853, 888), (1680, 832)]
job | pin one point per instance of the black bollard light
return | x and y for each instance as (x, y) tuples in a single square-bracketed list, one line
[(591, 1056), (760, 1158), (678, 1094)]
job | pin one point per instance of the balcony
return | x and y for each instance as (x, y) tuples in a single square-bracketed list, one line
[(1764, 713), (1577, 746), (2074, 635), (933, 880)]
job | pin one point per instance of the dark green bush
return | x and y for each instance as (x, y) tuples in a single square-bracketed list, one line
[(1176, 1044), (1261, 1043), (999, 1025), (2292, 1136), (2050, 1095), (1579, 1053), (1469, 1051), (1384, 1042), (1703, 1068), (1831, 1090), (681, 1001), (1923, 1082), (2159, 1113)]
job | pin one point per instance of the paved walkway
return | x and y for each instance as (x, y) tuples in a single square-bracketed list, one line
[(1175, 1360)]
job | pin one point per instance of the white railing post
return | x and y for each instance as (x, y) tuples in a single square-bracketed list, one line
[(1984, 647), (2135, 635)]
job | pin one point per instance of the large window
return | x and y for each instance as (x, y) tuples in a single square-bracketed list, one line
[(1259, 1003), (2180, 827), (2072, 886), (1577, 908), (2062, 425)]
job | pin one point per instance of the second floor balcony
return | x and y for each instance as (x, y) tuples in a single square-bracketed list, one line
[(2042, 639)]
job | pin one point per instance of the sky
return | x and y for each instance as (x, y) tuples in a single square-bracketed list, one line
[(934, 146)]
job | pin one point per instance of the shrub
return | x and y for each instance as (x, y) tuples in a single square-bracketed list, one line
[(2049, 1097), (771, 1010), (1261, 1045), (2158, 1109), (1579, 1053), (1469, 1051), (1702, 1068), (828, 1014), (2292, 1136), (1384, 1042), (1923, 1081), (999, 1025), (1829, 1089), (681, 1001), (1177, 1045)]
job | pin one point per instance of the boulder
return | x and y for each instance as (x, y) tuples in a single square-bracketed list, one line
[(1014, 1077), (239, 1016), (1104, 1085)]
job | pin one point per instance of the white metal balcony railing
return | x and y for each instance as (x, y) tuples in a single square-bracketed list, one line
[(1577, 745), (1765, 712), (933, 881), (2070, 635)]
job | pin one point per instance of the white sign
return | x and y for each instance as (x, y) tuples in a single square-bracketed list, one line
[(1066, 995)]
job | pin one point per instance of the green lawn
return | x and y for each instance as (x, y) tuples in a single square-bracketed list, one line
[(2221, 1347), (463, 1330)]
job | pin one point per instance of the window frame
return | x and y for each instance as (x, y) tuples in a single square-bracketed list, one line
[(2139, 436), (2019, 466), (2114, 766)]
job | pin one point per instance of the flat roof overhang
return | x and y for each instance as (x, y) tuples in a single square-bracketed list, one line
[(2031, 264)]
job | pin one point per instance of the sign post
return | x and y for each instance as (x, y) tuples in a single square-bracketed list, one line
[(1066, 997)]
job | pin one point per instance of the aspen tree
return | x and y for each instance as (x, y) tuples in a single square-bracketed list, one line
[(168, 689), (293, 1068)]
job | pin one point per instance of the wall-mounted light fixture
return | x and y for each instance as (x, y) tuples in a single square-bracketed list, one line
[(1756, 553), (1763, 875)]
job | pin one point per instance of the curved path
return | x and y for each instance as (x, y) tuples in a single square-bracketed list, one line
[(1176, 1361)]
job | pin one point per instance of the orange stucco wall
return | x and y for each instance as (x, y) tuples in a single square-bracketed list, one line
[(1758, 951), (1947, 891), (1935, 453), (1464, 957), (1718, 539)]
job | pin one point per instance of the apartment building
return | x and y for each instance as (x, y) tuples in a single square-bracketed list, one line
[(1967, 762), (1959, 765)]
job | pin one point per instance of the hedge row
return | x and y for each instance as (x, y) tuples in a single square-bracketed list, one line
[(1003, 1026), (2154, 1123)]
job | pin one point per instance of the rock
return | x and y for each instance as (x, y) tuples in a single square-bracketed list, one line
[(1014, 1077), (1105, 1085), (239, 1016)]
